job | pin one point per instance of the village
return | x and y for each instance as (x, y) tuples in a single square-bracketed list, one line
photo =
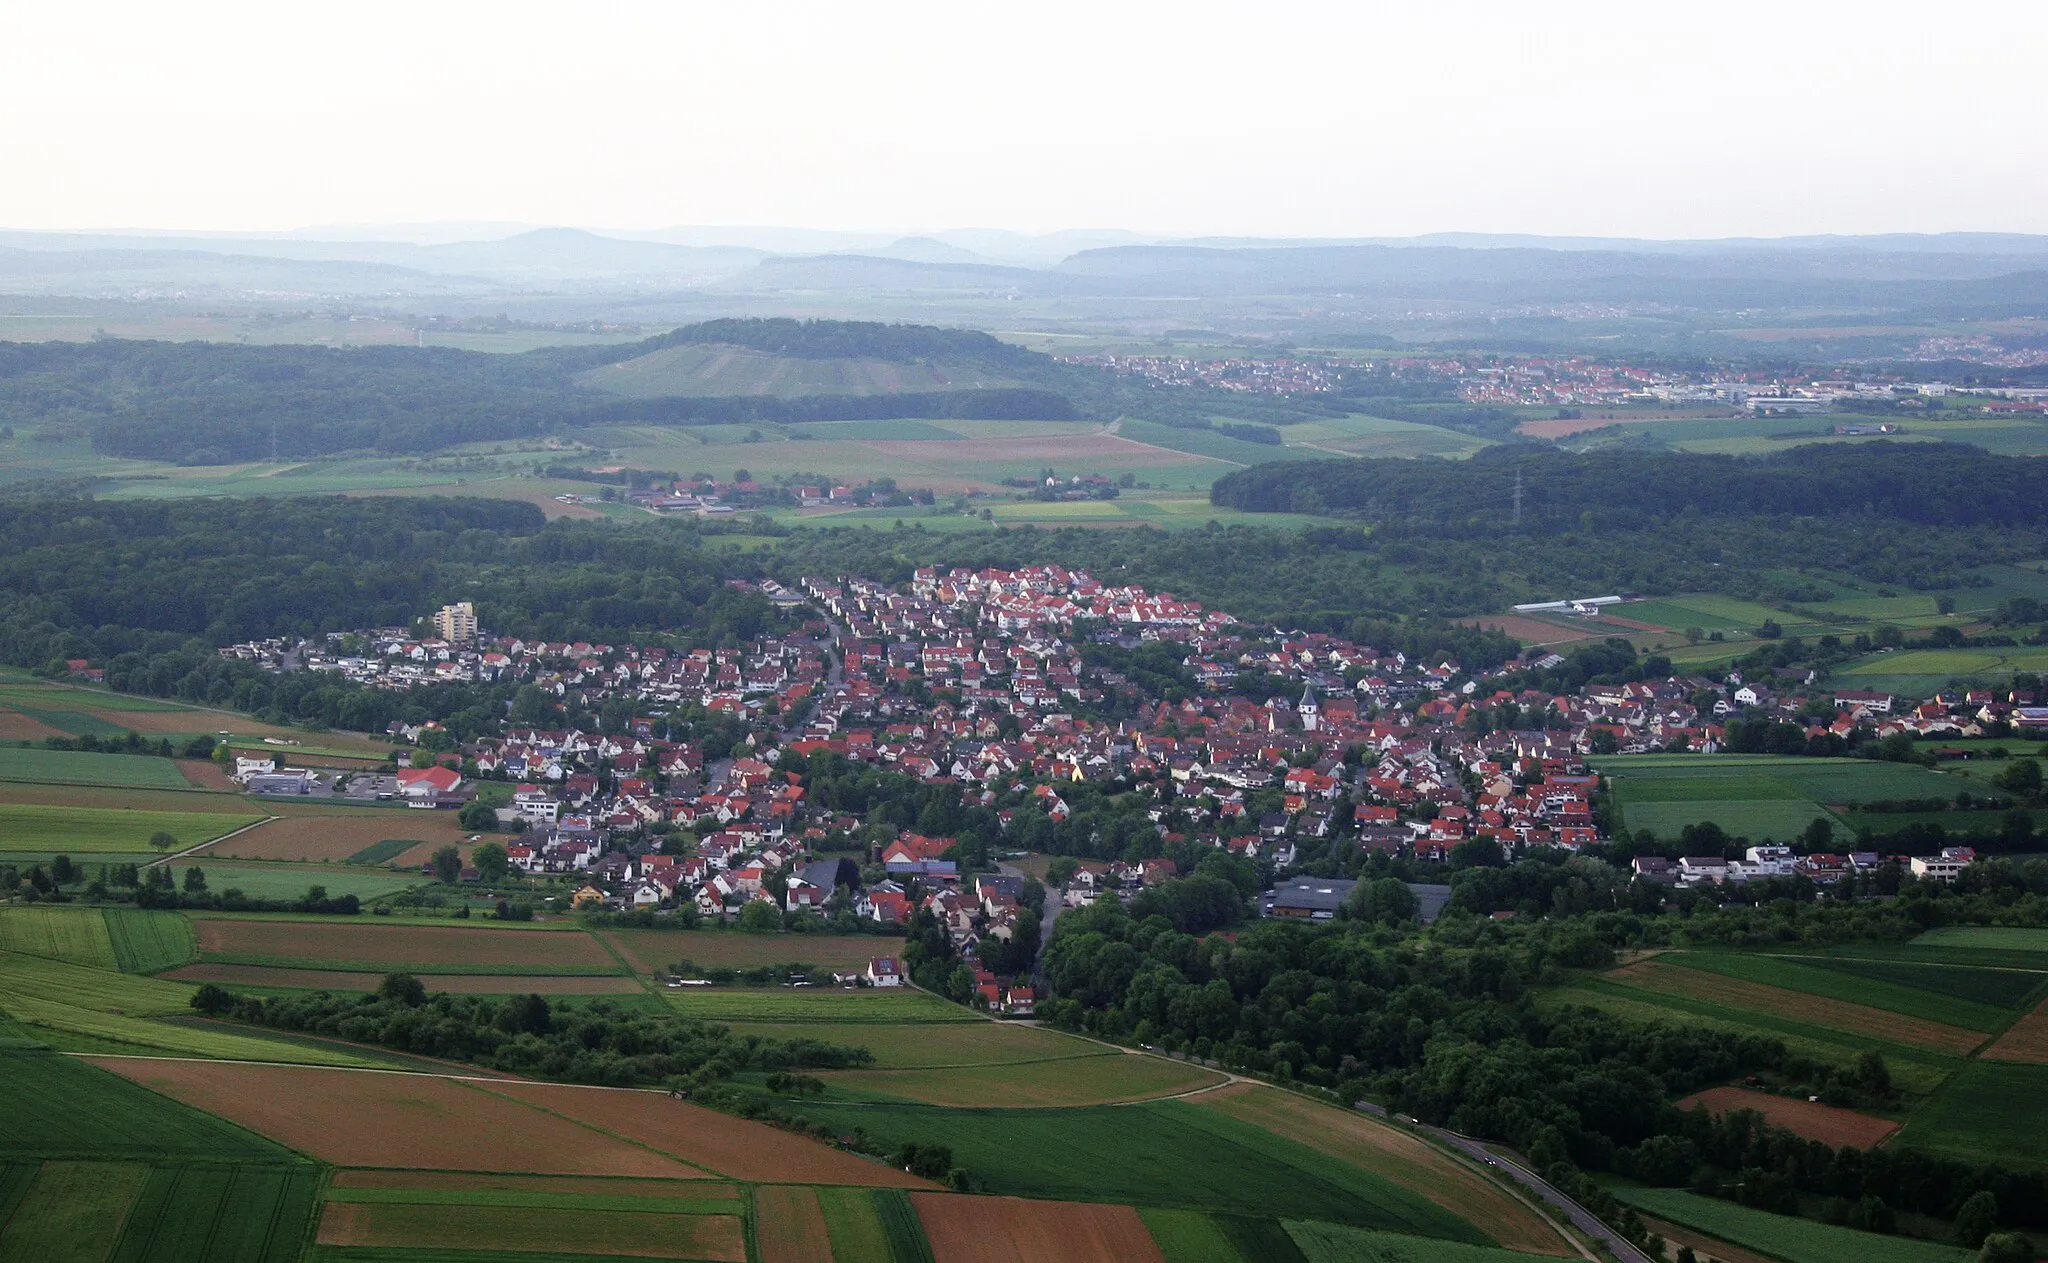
[(994, 685)]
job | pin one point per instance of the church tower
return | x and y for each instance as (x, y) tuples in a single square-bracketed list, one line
[(1309, 711)]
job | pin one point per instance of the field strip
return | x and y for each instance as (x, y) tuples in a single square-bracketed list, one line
[(1894, 960), (1494, 1206), (2025, 1040), (368, 980), (165, 859), (1857, 1019)]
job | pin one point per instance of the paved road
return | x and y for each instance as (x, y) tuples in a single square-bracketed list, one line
[(1053, 907), (1582, 1219)]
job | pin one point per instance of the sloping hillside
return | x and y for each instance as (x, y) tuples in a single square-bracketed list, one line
[(731, 370)]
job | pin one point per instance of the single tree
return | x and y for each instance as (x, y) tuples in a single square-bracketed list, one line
[(404, 988), (1976, 1218), (195, 880), (491, 862), (447, 864), (162, 840)]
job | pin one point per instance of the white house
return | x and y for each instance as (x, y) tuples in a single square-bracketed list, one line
[(882, 972)]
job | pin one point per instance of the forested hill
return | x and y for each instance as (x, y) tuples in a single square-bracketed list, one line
[(204, 403), (1933, 484)]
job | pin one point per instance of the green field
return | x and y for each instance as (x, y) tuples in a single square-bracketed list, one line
[(1782, 1236), (1335, 1243), (147, 942), (73, 767), (928, 1045), (1160, 1153), (1757, 796), (245, 1214), (97, 832), (1936, 1004), (259, 880), (853, 1224), (2003, 938), (1068, 1081), (1980, 1117), (1189, 1236), (901, 1226), (77, 935), (85, 1113), (1998, 988), (383, 852), (815, 1004), (685, 1201), (1380, 437), (71, 1211)]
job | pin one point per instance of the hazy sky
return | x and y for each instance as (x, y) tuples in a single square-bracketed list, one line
[(1359, 118)]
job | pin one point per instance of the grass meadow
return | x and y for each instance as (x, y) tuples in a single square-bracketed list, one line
[(831, 1005), (73, 767)]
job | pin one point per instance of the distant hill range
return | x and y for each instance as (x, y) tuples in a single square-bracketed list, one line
[(2001, 272)]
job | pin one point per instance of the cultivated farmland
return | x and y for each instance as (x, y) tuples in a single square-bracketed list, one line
[(86, 832), (1935, 1004), (84, 1112), (923, 1045), (1836, 1127), (77, 935), (336, 838), (815, 1004), (853, 1222), (240, 976), (351, 1118), (72, 767), (717, 1142), (147, 941), (1856, 1019), (365, 946), (2026, 1040), (643, 1234), (1067, 1081), (790, 1226), (653, 951), (1397, 1155), (1782, 1236), (1007, 1230), (1974, 1119), (1159, 1152)]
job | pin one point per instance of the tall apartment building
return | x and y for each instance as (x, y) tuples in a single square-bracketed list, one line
[(456, 623)]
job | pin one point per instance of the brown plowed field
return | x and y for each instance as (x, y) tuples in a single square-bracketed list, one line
[(789, 1227), (205, 774), (399, 945), (454, 984), (377, 1119), (15, 726), (1857, 1019), (335, 838), (517, 1229), (2025, 1040), (733, 1147), (1012, 1230), (476, 1181), (1397, 1155), (1811, 1119)]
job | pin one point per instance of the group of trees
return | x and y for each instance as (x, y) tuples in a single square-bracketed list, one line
[(597, 1042), (1941, 484)]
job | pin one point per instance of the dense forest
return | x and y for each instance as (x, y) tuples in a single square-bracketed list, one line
[(1925, 484), (201, 403)]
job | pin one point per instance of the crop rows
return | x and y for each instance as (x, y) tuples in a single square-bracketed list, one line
[(147, 942)]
